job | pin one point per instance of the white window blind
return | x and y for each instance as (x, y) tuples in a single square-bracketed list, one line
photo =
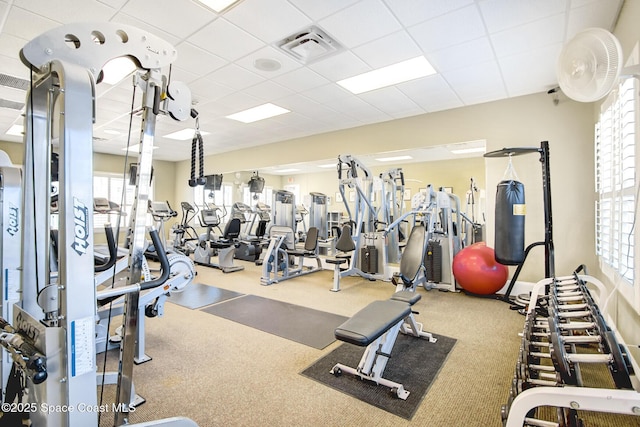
[(615, 169), (251, 199), (222, 198), (110, 186)]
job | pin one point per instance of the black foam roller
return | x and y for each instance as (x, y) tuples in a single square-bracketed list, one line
[(510, 215)]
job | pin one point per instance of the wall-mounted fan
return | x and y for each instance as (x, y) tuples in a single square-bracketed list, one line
[(589, 65)]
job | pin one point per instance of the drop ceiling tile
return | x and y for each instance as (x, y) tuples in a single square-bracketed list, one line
[(268, 20), (301, 79), (286, 62), (461, 55), (502, 14), (117, 4), (317, 10), (268, 91), (120, 93), (329, 92), (411, 12), (112, 105), (477, 83), (391, 101), (181, 75), (358, 109), (305, 107), (14, 67), (123, 18), (360, 23), (431, 93), (38, 24), (233, 103), (198, 60), (225, 40), (601, 14), (12, 94), (444, 31), (235, 77), (70, 11), (526, 72), (10, 45), (337, 67), (533, 35), (177, 18), (208, 89), (388, 50)]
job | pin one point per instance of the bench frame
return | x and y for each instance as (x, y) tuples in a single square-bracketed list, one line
[(374, 360)]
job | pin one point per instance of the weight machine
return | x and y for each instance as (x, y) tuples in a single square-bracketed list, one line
[(52, 335), (279, 262), (392, 198), (362, 259), (437, 214), (11, 223)]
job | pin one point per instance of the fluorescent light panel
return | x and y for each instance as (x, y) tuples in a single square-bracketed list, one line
[(217, 5), (260, 112), (393, 159), (117, 69), (389, 75), (184, 134), (469, 150), (328, 165), (16, 130)]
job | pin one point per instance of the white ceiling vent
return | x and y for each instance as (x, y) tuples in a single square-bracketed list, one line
[(309, 45)]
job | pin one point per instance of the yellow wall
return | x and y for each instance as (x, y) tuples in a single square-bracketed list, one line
[(522, 121)]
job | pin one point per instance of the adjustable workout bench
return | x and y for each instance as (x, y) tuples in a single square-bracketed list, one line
[(376, 326)]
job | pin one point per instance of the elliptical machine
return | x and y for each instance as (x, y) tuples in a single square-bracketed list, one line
[(183, 233)]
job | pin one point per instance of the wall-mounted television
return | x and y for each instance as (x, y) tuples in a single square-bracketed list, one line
[(256, 184), (213, 182)]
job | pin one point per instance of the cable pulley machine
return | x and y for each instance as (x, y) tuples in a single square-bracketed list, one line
[(56, 317)]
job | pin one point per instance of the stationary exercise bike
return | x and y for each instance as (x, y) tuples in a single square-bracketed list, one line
[(225, 246)]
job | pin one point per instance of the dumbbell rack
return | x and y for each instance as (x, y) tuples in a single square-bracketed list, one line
[(566, 347)]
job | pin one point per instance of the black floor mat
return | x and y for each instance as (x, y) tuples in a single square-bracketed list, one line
[(414, 363), (197, 295), (293, 322)]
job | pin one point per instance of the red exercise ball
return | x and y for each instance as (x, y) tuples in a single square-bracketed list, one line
[(477, 271)]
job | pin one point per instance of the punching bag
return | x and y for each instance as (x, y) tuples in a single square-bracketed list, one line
[(510, 213)]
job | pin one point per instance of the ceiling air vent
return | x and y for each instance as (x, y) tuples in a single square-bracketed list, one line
[(12, 105), (309, 45), (14, 82)]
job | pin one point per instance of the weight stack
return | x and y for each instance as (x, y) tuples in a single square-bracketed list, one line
[(433, 261), (369, 259)]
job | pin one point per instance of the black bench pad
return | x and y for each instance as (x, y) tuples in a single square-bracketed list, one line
[(371, 322), (407, 296)]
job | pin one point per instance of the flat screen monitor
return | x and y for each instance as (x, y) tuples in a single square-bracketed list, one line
[(133, 172), (213, 182), (256, 184)]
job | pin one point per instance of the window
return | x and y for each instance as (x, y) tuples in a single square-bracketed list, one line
[(222, 198), (616, 185), (251, 199), (110, 186)]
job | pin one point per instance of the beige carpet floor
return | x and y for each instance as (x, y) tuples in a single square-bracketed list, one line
[(221, 373)]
